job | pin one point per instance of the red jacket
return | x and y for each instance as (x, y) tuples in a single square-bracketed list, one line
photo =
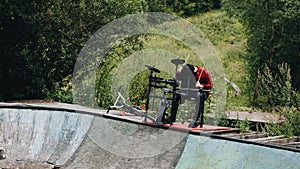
[(189, 77), (205, 78)]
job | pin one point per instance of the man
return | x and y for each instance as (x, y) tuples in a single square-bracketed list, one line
[(202, 78), (196, 84)]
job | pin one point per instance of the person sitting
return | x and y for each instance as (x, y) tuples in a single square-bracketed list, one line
[(192, 77)]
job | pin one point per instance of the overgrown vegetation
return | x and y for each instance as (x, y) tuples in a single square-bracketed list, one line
[(275, 89), (228, 36), (290, 126), (40, 41), (62, 91), (257, 41), (272, 57), (108, 66), (184, 8), (272, 29)]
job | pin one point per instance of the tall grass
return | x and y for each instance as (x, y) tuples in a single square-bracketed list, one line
[(228, 37)]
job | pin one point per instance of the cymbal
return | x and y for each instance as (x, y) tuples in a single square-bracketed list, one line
[(177, 61), (153, 69)]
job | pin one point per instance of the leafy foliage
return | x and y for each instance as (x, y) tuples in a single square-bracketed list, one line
[(272, 58), (228, 36), (41, 40), (138, 88), (273, 35), (183, 8), (275, 89), (62, 91), (290, 126), (107, 67)]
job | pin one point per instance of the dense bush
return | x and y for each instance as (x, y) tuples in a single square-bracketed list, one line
[(290, 126), (273, 36), (107, 68), (62, 91), (275, 89), (183, 8), (40, 41)]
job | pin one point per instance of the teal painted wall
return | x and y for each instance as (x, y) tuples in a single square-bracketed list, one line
[(207, 153), (76, 140)]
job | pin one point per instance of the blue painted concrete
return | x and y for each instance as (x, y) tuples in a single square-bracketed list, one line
[(204, 152), (75, 140)]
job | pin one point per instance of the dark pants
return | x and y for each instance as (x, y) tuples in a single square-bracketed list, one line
[(199, 97), (174, 108), (199, 111)]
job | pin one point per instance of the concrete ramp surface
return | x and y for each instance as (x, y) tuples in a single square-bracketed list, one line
[(40, 136), (56, 135), (202, 153)]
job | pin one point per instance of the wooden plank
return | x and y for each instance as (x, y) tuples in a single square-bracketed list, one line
[(266, 139), (261, 117), (283, 140)]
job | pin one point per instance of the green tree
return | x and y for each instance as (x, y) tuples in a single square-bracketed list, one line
[(273, 29), (107, 67), (182, 7), (41, 40)]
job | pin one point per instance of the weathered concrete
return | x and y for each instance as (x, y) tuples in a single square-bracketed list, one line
[(45, 135), (202, 152), (127, 153)]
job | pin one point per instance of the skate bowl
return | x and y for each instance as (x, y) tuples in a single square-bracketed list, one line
[(58, 135)]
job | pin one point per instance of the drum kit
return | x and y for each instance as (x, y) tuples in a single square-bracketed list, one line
[(171, 97), (170, 86)]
